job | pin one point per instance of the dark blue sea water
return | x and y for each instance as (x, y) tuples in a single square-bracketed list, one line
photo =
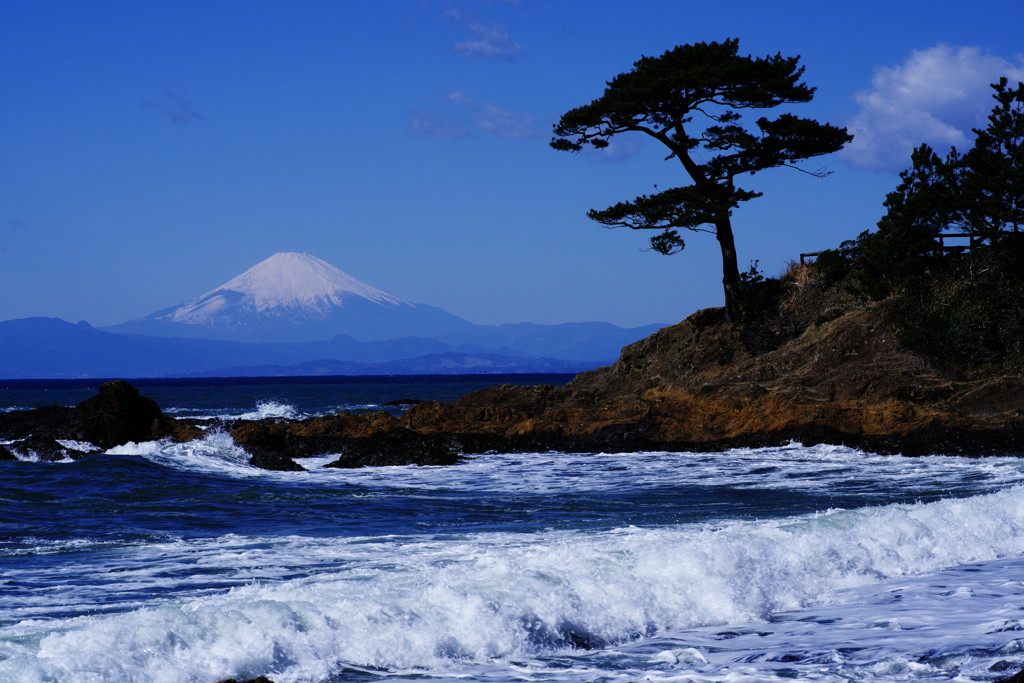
[(180, 562)]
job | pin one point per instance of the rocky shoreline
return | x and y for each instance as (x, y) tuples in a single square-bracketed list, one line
[(695, 386)]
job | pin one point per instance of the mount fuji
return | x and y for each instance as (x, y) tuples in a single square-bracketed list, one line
[(292, 297)]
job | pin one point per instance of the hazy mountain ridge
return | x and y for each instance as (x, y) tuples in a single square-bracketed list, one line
[(50, 348), (295, 314)]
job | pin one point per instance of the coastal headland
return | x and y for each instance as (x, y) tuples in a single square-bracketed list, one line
[(822, 368)]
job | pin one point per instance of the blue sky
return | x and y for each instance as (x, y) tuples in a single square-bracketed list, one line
[(153, 150)]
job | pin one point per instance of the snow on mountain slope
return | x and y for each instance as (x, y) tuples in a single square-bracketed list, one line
[(292, 297), (287, 280)]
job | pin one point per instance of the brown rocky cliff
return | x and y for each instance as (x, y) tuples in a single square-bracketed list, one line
[(818, 366), (838, 376)]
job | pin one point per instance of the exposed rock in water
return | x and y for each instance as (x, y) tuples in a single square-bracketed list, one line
[(397, 447), (270, 446), (116, 415), (403, 402), (275, 461), (5, 454), (45, 449), (373, 439)]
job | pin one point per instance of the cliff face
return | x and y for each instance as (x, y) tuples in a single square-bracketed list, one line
[(816, 370)]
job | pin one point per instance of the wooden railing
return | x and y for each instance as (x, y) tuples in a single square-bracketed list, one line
[(974, 240)]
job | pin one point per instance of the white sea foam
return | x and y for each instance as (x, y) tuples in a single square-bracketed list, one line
[(819, 469), (268, 409), (80, 446), (504, 606), (214, 453)]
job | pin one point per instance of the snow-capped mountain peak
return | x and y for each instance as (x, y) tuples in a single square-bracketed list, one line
[(292, 297), (286, 280)]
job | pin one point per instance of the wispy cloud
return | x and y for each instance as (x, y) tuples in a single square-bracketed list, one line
[(437, 124), (175, 108), (494, 120), (486, 41), (473, 118), (618, 150), (936, 96)]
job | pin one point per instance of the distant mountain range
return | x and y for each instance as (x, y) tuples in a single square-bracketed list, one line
[(294, 314)]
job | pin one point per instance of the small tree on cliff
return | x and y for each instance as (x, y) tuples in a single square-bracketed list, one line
[(991, 173), (689, 99), (980, 192)]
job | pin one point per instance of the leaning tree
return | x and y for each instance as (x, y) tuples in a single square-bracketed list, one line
[(689, 99)]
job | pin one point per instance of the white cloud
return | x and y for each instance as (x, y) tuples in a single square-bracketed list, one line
[(936, 96), (619, 149), (496, 121), (488, 41), (473, 118), (437, 124)]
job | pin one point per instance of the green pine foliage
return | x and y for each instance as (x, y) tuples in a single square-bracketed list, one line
[(959, 306), (693, 100)]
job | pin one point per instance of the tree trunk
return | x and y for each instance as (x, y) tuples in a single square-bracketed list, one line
[(730, 270)]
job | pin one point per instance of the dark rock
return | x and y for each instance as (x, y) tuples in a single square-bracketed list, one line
[(6, 454), (403, 402), (275, 461), (270, 446), (18, 424), (45, 449), (1016, 678), (258, 679), (397, 447), (116, 415), (272, 438)]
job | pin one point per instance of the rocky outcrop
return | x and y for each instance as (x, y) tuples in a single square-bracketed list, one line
[(45, 449), (397, 447), (116, 415), (362, 440), (697, 386)]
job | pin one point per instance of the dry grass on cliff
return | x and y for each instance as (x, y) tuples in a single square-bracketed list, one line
[(814, 339)]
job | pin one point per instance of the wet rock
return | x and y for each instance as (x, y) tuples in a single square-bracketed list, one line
[(258, 679), (116, 415), (5, 454), (18, 424), (403, 402), (397, 447), (1016, 678), (270, 446), (45, 449), (275, 461)]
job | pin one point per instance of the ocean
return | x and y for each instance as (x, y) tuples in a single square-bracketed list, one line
[(163, 562)]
